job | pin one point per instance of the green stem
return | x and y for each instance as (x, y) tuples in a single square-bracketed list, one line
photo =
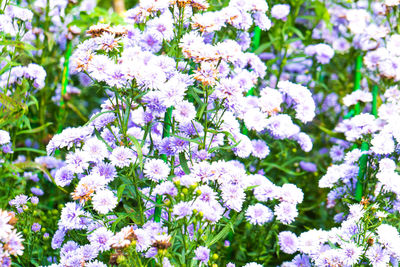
[(357, 81), (375, 90), (64, 84), (361, 172), (166, 133)]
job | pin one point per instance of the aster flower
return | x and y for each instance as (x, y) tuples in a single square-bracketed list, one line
[(259, 214), (285, 212), (101, 239), (95, 149), (182, 209), (122, 157), (377, 255), (64, 176), (288, 242), (71, 216), (202, 254), (351, 253), (104, 201), (156, 170), (36, 227), (184, 112)]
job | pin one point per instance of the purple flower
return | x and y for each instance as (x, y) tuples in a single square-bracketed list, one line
[(106, 170), (36, 227), (151, 41), (58, 238), (308, 166), (259, 214), (288, 242), (37, 191), (35, 200), (202, 254), (101, 238), (260, 149), (64, 176), (182, 209), (286, 212)]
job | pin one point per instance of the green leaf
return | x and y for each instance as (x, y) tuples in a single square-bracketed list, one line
[(35, 130), (102, 139), (183, 161), (30, 149), (138, 150), (120, 191)]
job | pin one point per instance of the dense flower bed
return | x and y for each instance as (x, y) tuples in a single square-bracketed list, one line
[(200, 133)]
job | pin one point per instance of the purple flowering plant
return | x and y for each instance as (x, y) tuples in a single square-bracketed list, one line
[(201, 133)]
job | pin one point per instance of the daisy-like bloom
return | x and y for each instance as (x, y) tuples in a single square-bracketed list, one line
[(182, 209), (286, 212), (260, 149), (123, 238), (14, 244), (4, 137), (259, 214), (122, 157), (96, 149), (83, 192), (58, 238), (71, 216), (106, 170), (101, 238), (143, 240), (254, 119), (207, 74), (378, 256), (202, 254), (233, 197), (5, 227), (356, 212), (382, 144), (156, 170), (290, 193), (184, 112), (89, 252), (104, 201), (77, 161), (351, 253), (288, 242), (107, 42)]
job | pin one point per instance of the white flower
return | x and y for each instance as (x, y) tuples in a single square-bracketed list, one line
[(104, 201), (4, 137)]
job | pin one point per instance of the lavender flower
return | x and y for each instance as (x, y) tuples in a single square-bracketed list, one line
[(202, 254)]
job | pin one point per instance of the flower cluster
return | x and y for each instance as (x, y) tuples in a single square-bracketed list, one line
[(10, 239)]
